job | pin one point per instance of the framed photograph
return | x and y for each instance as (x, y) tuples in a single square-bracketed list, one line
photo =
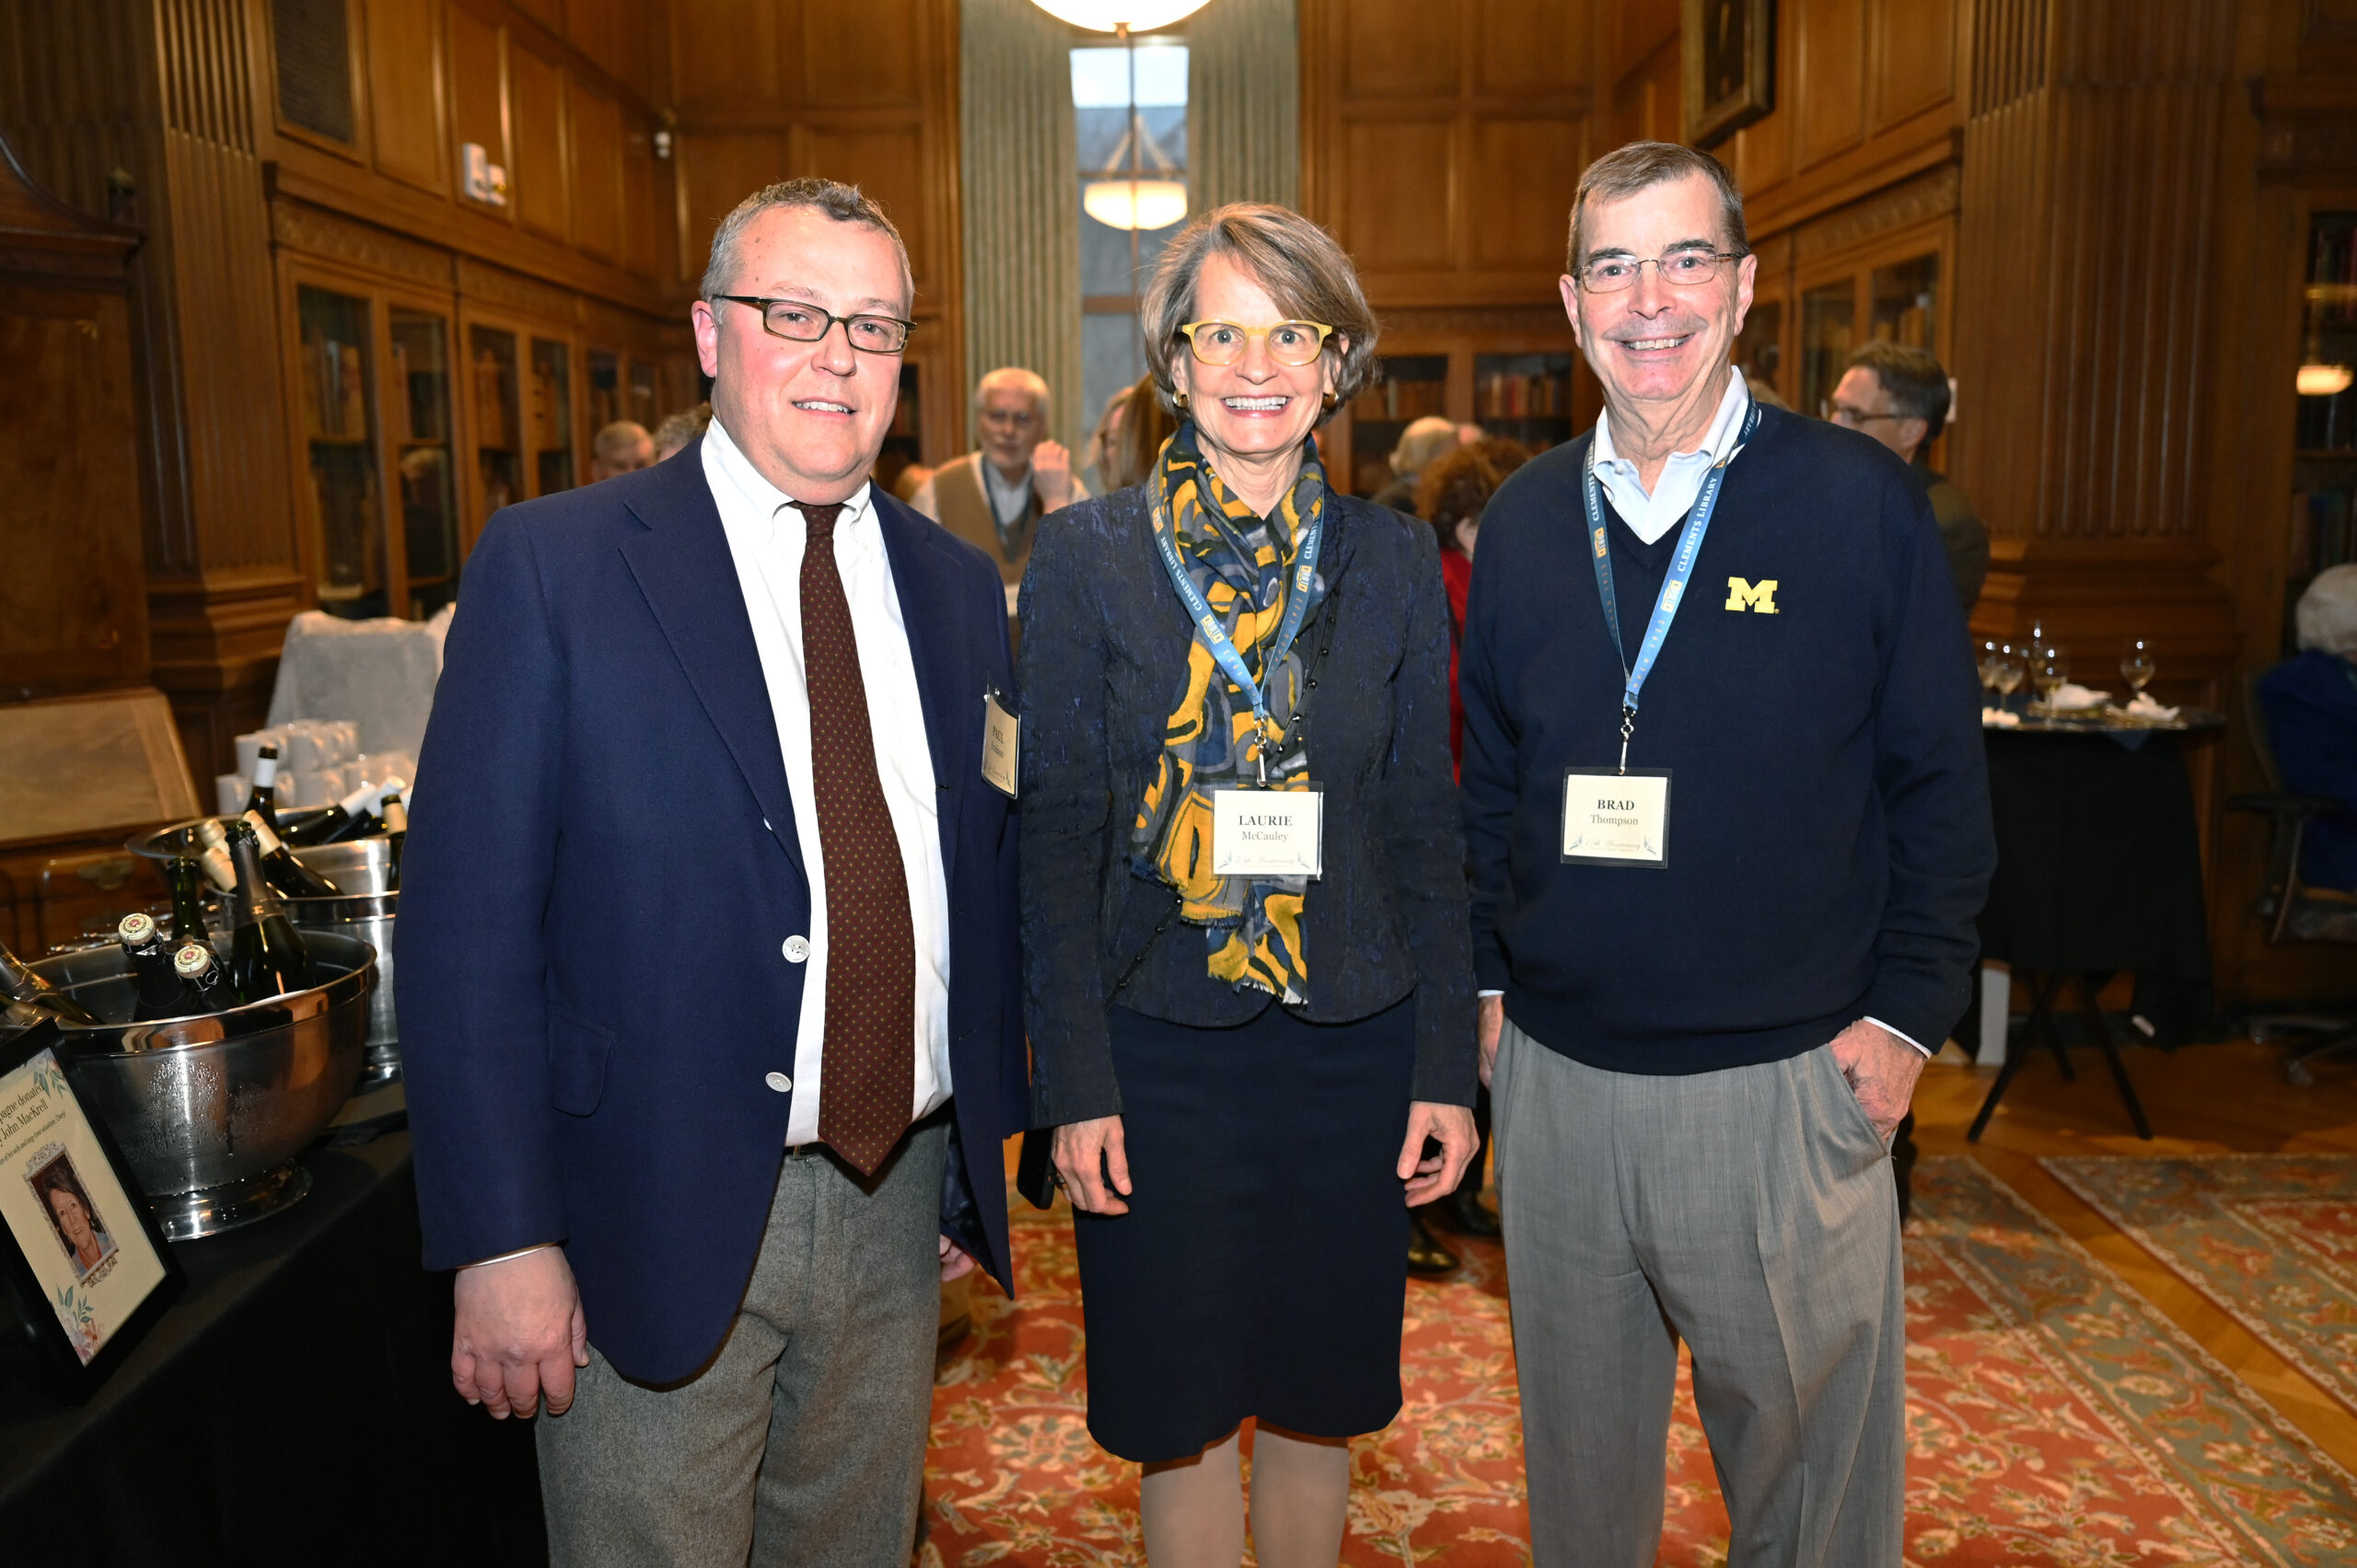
[(80, 1251), (1730, 60)]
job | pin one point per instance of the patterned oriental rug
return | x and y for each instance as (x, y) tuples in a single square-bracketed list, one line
[(2271, 1239), (2055, 1419)]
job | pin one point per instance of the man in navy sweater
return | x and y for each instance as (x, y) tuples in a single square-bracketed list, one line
[(1727, 853)]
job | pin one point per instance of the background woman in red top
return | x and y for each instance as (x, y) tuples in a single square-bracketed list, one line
[(1450, 496)]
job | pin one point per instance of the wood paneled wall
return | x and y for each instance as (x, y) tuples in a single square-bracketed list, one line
[(771, 89)]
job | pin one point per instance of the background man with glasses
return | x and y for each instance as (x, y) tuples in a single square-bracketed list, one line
[(1725, 863), (1899, 395), (994, 497), (712, 912)]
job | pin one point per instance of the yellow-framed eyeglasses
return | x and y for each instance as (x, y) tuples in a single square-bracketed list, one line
[(1224, 343)]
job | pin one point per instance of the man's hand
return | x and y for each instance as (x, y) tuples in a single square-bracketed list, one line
[(1881, 1069), (956, 1261), (1487, 1023), (1086, 1152), (1051, 475), (520, 1335), (1438, 1175)]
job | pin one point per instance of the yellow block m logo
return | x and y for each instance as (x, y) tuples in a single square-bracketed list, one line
[(1760, 598)]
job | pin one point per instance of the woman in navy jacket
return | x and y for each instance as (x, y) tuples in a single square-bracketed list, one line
[(2311, 702), (1243, 1069)]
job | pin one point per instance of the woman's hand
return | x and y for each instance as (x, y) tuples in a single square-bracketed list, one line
[(1088, 1153), (1436, 1177)]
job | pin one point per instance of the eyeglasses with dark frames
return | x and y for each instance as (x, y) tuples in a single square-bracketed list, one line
[(1687, 269), (800, 321), (1843, 414)]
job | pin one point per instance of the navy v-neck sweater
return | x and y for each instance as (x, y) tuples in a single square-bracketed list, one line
[(1830, 841)]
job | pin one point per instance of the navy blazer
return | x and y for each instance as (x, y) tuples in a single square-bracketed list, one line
[(2311, 706), (600, 878), (1104, 657)]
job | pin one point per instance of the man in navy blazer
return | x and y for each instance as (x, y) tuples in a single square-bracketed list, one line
[(681, 1074)]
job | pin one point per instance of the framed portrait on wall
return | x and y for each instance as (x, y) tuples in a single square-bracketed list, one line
[(80, 1252), (1729, 49)]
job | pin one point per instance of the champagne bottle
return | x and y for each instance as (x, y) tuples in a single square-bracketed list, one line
[(187, 883), (215, 860), (285, 873), (200, 969), (161, 994), (266, 956), (393, 816), (263, 800), (23, 985), (353, 817)]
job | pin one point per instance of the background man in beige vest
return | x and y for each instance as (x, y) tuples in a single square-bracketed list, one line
[(995, 495)]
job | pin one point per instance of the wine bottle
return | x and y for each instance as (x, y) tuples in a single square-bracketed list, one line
[(393, 816), (285, 873), (199, 969), (266, 954), (22, 984), (161, 994), (353, 817), (262, 799), (215, 859), (187, 883)]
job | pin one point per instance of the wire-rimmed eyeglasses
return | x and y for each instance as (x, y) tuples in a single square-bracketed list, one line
[(1687, 269), (804, 323)]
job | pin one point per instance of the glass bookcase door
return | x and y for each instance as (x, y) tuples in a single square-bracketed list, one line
[(640, 398), (1524, 397), (1903, 302), (1759, 347), (339, 415), (499, 430), (605, 389), (2324, 466), (1410, 386), (552, 428), (1829, 331), (419, 413)]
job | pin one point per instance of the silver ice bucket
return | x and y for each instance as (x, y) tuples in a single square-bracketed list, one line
[(211, 1110), (370, 918)]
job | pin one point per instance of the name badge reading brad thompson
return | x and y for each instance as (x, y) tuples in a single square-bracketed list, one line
[(1001, 732), (1267, 833), (1611, 819)]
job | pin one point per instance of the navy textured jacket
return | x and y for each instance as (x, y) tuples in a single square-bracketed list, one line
[(1829, 837), (2311, 703), (1104, 653), (600, 873)]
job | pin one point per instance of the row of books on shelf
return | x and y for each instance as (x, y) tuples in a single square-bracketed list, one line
[(1400, 399), (1501, 396), (335, 402), (2334, 261), (2321, 530), (495, 406)]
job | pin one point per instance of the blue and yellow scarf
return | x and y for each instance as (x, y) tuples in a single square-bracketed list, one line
[(1243, 565)]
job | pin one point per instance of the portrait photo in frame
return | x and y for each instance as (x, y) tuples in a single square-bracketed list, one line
[(81, 1256), (1729, 48)]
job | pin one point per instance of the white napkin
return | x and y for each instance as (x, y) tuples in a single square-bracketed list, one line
[(2143, 707), (2000, 718), (2071, 694)]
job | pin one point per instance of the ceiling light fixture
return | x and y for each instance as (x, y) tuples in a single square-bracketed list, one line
[(1113, 16), (2320, 380)]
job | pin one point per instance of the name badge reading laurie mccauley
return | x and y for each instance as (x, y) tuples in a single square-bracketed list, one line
[(1001, 737), (1612, 818), (1267, 833)]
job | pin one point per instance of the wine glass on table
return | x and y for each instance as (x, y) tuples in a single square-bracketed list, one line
[(1991, 651), (2050, 671), (2012, 663), (2136, 666)]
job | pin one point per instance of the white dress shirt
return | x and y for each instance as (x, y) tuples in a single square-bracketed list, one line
[(766, 536), (1651, 514)]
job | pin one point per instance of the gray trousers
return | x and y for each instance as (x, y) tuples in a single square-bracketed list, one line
[(1749, 1211), (803, 1442)]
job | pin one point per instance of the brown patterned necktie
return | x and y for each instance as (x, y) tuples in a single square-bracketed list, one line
[(867, 1076)]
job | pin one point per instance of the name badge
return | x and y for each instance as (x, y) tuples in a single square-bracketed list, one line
[(1002, 733), (1267, 833), (1613, 818)]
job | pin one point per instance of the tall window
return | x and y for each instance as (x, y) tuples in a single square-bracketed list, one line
[(1131, 156)]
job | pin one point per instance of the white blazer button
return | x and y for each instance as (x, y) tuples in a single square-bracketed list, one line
[(796, 950), (779, 1082)]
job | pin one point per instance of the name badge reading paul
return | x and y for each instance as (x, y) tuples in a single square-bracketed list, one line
[(1612, 818), (1267, 833), (1002, 735)]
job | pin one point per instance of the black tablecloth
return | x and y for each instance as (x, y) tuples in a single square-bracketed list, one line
[(2099, 869), (294, 1407)]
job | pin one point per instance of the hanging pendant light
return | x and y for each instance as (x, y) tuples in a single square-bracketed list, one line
[(1128, 193), (1111, 16), (2316, 380)]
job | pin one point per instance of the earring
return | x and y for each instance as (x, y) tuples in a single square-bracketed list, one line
[(1181, 398), (1325, 404)]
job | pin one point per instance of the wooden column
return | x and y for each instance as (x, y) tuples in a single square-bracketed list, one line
[(148, 112)]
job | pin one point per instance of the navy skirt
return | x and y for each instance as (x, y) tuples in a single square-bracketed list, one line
[(1262, 1270)]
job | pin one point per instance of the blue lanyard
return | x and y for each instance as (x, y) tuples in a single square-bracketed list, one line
[(1215, 636), (1673, 586)]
